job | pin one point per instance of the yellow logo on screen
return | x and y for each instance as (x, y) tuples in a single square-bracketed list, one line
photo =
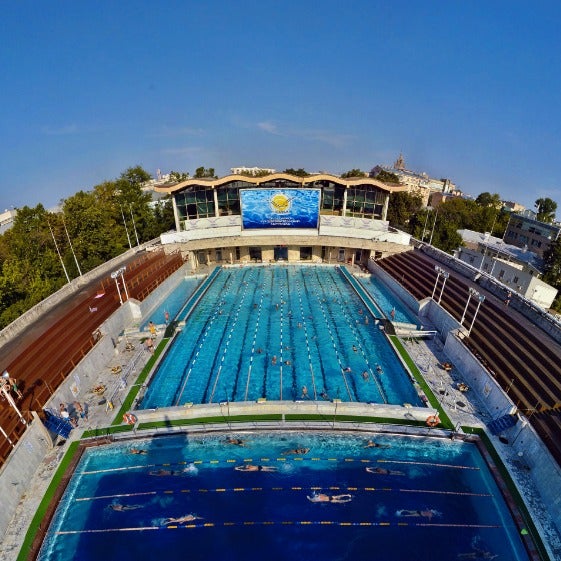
[(280, 203)]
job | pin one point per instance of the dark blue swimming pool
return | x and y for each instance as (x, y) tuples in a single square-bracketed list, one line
[(280, 333), (407, 498)]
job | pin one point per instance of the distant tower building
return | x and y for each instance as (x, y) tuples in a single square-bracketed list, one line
[(400, 163), (158, 174)]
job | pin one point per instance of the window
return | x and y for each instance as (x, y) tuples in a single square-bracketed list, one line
[(305, 254), (197, 202)]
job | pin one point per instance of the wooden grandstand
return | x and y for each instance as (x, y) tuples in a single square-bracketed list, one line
[(524, 360), (52, 348)]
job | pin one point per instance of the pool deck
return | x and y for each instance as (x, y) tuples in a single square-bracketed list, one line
[(427, 353)]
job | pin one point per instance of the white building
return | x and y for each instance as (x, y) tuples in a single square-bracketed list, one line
[(7, 220), (518, 269), (251, 171)]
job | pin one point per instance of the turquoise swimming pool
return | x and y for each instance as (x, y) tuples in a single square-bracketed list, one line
[(283, 496), (281, 333)]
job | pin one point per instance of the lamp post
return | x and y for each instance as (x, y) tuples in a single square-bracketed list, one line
[(125, 223), (115, 275), (58, 252), (471, 292), (480, 300), (134, 226), (445, 274), (71, 247)]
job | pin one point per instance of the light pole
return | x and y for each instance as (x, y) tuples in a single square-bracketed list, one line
[(58, 252), (134, 226), (471, 293), (115, 275), (71, 247), (125, 223), (445, 274), (480, 300), (433, 225)]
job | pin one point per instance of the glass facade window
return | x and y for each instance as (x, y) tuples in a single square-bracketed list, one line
[(229, 197), (365, 201), (332, 197), (305, 254), (197, 202)]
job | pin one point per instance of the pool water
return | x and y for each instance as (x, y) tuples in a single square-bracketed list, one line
[(387, 301), (280, 333), (433, 499), (173, 302)]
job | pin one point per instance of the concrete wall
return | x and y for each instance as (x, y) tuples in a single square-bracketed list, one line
[(18, 471), (544, 472)]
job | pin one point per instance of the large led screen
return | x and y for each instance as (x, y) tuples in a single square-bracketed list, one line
[(280, 208)]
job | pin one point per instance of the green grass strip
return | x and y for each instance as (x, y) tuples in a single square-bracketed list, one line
[(433, 400), (46, 501), (127, 403)]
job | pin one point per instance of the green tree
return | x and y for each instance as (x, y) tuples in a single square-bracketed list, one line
[(203, 172), (402, 206), (545, 208), (353, 173), (178, 176), (300, 172), (386, 176), (485, 199)]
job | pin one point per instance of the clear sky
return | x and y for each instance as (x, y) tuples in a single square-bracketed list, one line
[(466, 89)]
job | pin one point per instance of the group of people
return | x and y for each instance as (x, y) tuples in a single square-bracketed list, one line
[(78, 412), (9, 384)]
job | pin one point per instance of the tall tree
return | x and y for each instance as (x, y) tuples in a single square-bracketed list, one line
[(485, 199), (402, 206), (300, 172), (384, 176), (545, 208), (354, 173)]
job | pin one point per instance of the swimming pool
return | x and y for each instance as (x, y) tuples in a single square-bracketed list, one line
[(280, 333), (387, 301), (405, 498), (173, 302)]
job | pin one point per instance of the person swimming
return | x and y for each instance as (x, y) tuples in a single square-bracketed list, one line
[(297, 451), (383, 471), (235, 441), (118, 507), (427, 513), (373, 444), (325, 498), (165, 472), (182, 519), (138, 451), (253, 467)]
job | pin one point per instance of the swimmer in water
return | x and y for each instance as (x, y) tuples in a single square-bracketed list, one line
[(118, 507), (373, 444), (235, 441), (383, 471), (324, 498), (138, 451), (252, 467), (297, 451), (182, 519), (427, 513)]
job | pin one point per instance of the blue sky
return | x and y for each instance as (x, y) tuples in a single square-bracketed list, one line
[(468, 90)]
